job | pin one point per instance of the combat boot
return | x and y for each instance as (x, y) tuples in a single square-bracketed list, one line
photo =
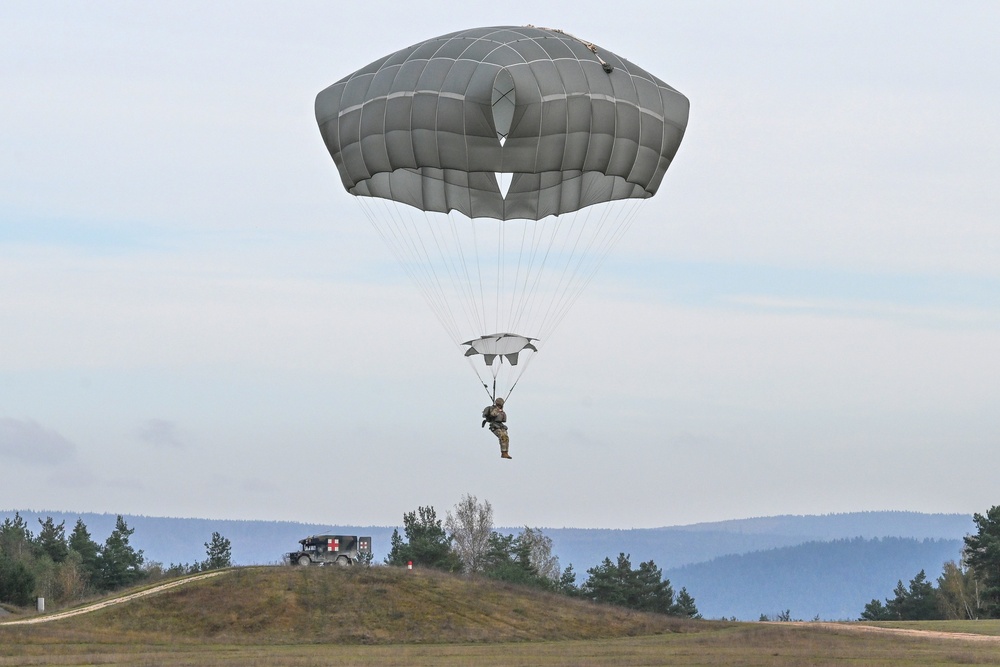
[(505, 455)]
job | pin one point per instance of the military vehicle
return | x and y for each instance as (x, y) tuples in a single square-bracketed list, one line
[(330, 550)]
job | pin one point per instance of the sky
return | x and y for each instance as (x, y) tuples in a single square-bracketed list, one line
[(196, 320)]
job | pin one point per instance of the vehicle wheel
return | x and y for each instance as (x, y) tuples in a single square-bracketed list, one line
[(304, 560), (343, 561)]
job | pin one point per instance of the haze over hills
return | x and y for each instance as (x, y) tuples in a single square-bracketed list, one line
[(676, 546), (826, 580), (828, 566)]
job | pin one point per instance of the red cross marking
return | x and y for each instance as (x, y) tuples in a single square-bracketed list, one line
[(333, 544)]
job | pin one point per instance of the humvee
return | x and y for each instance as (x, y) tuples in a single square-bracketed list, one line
[(330, 550)]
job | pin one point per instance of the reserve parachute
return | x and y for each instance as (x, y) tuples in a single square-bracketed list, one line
[(500, 165)]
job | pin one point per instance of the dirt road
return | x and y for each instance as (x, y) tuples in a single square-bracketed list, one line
[(927, 634), (113, 601)]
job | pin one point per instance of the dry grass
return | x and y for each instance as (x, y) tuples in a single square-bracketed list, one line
[(748, 644), (284, 617), (361, 606)]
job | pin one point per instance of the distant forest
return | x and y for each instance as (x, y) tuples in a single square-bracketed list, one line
[(829, 580), (828, 566)]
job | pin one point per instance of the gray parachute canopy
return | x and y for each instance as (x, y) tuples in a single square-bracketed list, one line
[(434, 124)]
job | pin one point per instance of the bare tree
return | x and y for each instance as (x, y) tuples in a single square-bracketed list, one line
[(540, 552), (470, 528)]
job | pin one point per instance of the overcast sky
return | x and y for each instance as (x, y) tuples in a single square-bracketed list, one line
[(196, 319)]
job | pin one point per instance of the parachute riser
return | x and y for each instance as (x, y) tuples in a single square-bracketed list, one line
[(493, 394)]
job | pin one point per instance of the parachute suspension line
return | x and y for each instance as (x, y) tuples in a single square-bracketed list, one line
[(521, 274), (580, 272), (530, 294), (547, 239), (391, 233), (623, 220), (620, 231), (438, 266), (452, 259), (552, 237), (481, 380), (573, 262), (479, 275), (516, 307), (523, 368), (421, 256), (577, 258), (612, 221), (467, 285), (501, 275), (573, 258), (520, 375)]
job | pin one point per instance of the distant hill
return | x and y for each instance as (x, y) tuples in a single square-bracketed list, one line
[(676, 546), (830, 580), (181, 540), (853, 524), (828, 566)]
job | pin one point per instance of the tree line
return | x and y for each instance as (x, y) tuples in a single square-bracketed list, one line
[(63, 568), (466, 541), (969, 589)]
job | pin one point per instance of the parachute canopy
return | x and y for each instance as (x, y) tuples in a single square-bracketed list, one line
[(436, 124), (501, 165)]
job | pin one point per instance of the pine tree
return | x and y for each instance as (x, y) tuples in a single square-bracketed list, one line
[(16, 540), (17, 582), (982, 554), (219, 552), (876, 611), (916, 603), (567, 582), (119, 564), (643, 588), (651, 592), (427, 543), (685, 605), (608, 582), (52, 540), (87, 549)]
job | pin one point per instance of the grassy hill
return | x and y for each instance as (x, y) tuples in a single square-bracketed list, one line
[(292, 617), (377, 605)]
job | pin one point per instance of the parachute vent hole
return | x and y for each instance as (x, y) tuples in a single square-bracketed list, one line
[(503, 104), (503, 182)]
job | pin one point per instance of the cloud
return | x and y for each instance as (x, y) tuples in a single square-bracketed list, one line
[(161, 433), (75, 478), (29, 442)]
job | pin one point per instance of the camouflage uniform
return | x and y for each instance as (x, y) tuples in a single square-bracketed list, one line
[(495, 417)]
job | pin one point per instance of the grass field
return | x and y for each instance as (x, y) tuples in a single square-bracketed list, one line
[(381, 616)]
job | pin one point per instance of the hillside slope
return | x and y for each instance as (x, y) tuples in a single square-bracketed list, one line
[(363, 606)]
